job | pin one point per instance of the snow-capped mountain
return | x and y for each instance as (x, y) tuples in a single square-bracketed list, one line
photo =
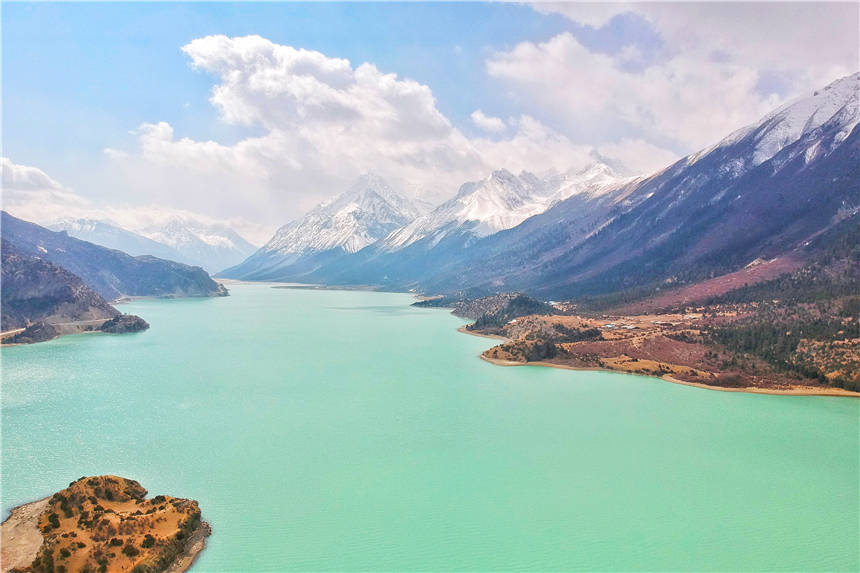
[(762, 192), (837, 101), (213, 246), (501, 201), (593, 181), (114, 237), (365, 213)]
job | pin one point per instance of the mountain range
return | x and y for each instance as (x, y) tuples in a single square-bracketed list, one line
[(109, 272), (365, 213), (35, 290), (212, 246), (762, 193)]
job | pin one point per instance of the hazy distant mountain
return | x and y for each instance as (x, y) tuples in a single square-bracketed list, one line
[(211, 246), (109, 272), (368, 211), (114, 237)]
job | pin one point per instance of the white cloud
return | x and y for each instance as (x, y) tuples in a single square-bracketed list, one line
[(814, 39), (534, 147), (589, 13), (29, 190), (323, 122), (25, 178), (688, 100), (720, 66), (487, 122), (32, 195), (637, 155)]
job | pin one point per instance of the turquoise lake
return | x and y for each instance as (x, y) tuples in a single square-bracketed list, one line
[(347, 431)]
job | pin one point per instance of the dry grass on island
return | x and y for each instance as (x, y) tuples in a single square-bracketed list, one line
[(103, 524)]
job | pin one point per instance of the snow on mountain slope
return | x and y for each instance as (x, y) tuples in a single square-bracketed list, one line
[(365, 213), (501, 201), (760, 193), (114, 237), (214, 246), (184, 239), (789, 123), (595, 180)]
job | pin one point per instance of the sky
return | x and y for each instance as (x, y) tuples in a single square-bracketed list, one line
[(253, 113)]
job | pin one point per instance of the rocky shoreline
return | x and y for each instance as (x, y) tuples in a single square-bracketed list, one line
[(793, 391), (43, 331), (669, 346), (103, 523)]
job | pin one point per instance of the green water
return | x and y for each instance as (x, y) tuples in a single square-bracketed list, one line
[(346, 431)]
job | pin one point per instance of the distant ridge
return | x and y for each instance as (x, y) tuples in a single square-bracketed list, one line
[(109, 272), (211, 246)]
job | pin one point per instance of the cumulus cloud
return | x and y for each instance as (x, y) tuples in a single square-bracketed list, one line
[(487, 122), (717, 69), (534, 147), (31, 194), (29, 190), (323, 121), (685, 99), (25, 178), (819, 39)]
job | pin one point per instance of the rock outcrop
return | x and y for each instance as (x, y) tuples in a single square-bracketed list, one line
[(124, 323), (103, 523), (38, 291)]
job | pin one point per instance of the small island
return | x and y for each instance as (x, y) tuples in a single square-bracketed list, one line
[(103, 524)]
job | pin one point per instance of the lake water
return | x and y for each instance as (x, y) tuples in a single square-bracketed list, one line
[(347, 431)]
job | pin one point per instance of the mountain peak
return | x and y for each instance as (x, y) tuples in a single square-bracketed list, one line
[(367, 211), (838, 101), (369, 181), (592, 171), (499, 201)]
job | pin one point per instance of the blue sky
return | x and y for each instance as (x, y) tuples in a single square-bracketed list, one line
[(111, 102), (78, 77)]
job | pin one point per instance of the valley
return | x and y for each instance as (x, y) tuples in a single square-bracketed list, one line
[(430, 286)]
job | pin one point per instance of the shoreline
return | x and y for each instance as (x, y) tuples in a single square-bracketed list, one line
[(801, 391), (193, 548), (21, 538), (24, 541), (464, 330)]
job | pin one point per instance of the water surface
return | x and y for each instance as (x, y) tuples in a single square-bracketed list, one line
[(346, 431)]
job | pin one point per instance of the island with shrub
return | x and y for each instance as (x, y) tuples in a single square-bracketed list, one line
[(103, 524)]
